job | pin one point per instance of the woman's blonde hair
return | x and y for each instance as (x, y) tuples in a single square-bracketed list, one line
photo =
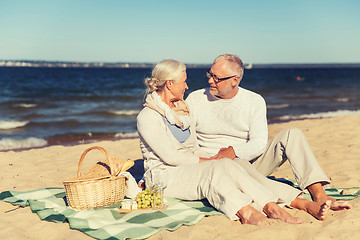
[(165, 70)]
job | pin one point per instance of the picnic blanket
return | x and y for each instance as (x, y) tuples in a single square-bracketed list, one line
[(107, 223)]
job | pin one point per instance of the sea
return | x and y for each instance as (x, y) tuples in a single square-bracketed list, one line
[(42, 106)]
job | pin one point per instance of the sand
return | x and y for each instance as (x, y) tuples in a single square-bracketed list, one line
[(335, 142)]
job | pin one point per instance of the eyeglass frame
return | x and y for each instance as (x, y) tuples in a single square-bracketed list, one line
[(216, 78)]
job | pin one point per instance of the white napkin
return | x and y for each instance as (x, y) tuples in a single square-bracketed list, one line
[(132, 189)]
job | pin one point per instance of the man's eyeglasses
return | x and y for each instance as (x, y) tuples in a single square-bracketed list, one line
[(217, 79)]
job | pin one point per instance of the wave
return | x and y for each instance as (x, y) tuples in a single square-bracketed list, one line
[(26, 105), (6, 125), (125, 112), (82, 137), (342, 99), (13, 144), (278, 106), (320, 115)]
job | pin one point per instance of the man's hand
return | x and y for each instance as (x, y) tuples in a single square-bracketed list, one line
[(226, 153), (223, 153)]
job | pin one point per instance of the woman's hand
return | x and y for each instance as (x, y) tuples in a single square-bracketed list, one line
[(141, 184)]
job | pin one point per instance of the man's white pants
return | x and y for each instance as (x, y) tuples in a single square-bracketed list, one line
[(291, 145)]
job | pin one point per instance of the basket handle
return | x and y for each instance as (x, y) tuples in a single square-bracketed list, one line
[(111, 161)]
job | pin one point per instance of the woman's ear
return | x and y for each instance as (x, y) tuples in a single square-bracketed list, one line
[(168, 84)]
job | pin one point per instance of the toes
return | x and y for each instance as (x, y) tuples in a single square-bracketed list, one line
[(324, 209), (327, 204), (340, 206)]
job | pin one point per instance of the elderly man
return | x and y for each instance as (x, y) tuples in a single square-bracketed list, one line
[(228, 115)]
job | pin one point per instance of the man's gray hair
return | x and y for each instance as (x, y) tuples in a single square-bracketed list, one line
[(233, 62)]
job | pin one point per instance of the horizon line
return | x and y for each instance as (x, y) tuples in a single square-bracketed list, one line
[(97, 64), (146, 62)]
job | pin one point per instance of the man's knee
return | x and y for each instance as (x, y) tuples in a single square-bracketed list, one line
[(291, 132), (295, 132)]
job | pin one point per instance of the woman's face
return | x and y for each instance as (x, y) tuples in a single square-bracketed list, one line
[(178, 87)]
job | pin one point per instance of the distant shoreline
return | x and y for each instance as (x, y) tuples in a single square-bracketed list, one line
[(74, 64)]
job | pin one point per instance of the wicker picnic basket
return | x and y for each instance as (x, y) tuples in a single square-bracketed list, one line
[(99, 186)]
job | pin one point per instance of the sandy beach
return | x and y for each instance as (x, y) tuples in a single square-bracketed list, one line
[(335, 142)]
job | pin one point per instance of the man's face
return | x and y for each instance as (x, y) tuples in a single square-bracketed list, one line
[(223, 89)]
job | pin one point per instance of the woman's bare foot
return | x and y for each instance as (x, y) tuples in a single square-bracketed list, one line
[(316, 209), (319, 213), (249, 215), (318, 195), (273, 211)]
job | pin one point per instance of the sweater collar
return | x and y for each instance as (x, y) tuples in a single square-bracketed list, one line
[(179, 115), (215, 98)]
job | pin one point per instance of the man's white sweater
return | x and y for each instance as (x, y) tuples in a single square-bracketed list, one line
[(239, 122)]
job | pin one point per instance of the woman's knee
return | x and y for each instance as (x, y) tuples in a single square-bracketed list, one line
[(230, 167), (226, 164), (217, 168)]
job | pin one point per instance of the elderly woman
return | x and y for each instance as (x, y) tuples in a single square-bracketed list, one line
[(173, 159)]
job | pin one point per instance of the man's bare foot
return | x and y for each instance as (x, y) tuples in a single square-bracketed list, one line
[(318, 195), (273, 211), (315, 209), (339, 205), (335, 205), (249, 215)]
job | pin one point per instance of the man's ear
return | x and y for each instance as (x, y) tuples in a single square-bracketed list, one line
[(235, 81)]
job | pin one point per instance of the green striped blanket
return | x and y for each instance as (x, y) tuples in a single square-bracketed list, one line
[(107, 223)]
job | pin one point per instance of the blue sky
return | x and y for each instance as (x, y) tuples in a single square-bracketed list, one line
[(310, 31)]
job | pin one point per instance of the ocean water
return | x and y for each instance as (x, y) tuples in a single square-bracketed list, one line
[(47, 106)]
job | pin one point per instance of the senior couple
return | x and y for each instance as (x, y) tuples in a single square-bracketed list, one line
[(214, 146)]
